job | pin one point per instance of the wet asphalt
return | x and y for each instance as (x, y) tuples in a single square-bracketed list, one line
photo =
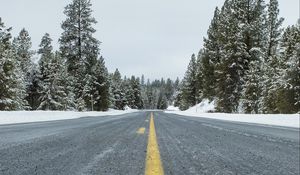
[(110, 145)]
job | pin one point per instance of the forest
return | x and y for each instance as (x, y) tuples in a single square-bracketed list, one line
[(249, 63), (75, 76)]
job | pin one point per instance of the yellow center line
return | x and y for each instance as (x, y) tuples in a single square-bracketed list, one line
[(141, 131), (153, 161)]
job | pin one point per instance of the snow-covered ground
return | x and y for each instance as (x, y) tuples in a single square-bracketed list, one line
[(200, 110), (172, 108), (12, 117)]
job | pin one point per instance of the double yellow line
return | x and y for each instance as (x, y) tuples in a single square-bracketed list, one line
[(153, 161)]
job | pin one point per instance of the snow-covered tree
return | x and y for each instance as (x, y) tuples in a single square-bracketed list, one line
[(101, 85), (272, 62), (189, 86), (136, 97), (162, 102), (240, 33), (199, 77), (53, 93), (22, 47), (46, 53), (12, 87), (287, 94), (80, 48), (252, 87), (233, 55), (34, 87), (118, 91), (211, 56)]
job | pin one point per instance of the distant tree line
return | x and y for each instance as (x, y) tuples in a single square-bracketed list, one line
[(74, 77), (248, 62)]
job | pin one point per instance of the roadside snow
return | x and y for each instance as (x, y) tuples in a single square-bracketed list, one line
[(172, 108), (200, 110), (204, 106), (12, 117)]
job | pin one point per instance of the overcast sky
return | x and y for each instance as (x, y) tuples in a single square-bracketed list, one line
[(151, 37)]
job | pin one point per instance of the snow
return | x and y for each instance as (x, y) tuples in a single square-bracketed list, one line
[(200, 110), (172, 108), (13, 117), (204, 106)]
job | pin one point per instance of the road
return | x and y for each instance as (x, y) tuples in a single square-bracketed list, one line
[(119, 145)]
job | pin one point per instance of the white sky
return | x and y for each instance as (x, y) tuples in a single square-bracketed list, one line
[(151, 37)]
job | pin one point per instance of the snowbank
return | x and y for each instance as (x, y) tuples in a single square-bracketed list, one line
[(287, 120), (172, 108), (204, 106), (12, 117)]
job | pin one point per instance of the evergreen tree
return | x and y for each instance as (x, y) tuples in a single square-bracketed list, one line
[(189, 86), (80, 48), (228, 70), (118, 91), (38, 73), (199, 77), (33, 89), (271, 64), (162, 102), (143, 80), (150, 96), (169, 90), (12, 88), (22, 47), (53, 93), (211, 57), (252, 88), (289, 83), (129, 92), (176, 84), (241, 36), (46, 53), (102, 95), (137, 102)]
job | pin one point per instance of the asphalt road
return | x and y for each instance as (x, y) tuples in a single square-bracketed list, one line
[(112, 145)]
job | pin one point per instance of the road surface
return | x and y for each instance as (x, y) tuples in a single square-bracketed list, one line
[(122, 145)]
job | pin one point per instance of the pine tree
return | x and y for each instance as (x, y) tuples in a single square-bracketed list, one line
[(22, 47), (80, 48), (254, 39), (137, 102), (169, 90), (271, 64), (241, 37), (143, 80), (118, 91), (294, 77), (33, 89), (45, 51), (12, 89), (150, 96), (289, 81), (199, 77), (53, 93), (211, 57), (101, 84), (252, 88), (189, 86), (162, 102), (129, 92), (230, 69), (38, 74)]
